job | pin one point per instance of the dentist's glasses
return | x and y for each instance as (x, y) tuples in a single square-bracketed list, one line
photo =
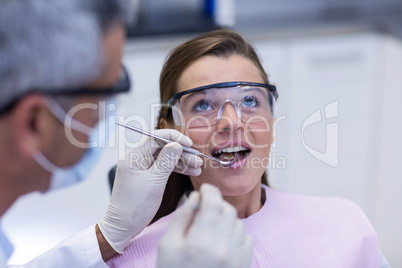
[(204, 106), (121, 86)]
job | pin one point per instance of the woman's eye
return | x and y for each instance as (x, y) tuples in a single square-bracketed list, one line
[(202, 106), (250, 101)]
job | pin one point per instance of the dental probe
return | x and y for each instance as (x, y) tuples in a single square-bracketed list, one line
[(185, 148)]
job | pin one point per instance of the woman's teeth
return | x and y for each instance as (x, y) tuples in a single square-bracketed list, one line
[(230, 153), (231, 150)]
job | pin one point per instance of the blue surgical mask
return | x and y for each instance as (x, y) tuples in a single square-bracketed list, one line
[(98, 136)]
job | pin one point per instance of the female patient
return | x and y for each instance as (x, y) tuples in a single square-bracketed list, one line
[(217, 93)]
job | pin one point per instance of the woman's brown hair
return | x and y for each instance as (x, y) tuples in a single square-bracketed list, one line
[(220, 43)]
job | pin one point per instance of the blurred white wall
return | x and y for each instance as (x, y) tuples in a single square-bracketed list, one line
[(354, 75)]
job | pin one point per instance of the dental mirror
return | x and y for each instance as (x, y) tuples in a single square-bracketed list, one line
[(225, 162)]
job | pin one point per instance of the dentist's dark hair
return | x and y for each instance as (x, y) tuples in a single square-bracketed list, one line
[(220, 43)]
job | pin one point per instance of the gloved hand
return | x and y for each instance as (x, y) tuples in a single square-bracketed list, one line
[(139, 185), (205, 232)]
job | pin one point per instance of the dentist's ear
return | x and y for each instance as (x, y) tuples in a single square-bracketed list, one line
[(31, 124)]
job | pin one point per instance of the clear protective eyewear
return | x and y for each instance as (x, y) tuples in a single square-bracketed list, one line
[(123, 85), (204, 106)]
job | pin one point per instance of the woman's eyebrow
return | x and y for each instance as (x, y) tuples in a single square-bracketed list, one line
[(195, 94), (254, 88)]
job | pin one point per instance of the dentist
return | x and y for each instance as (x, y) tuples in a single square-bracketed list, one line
[(58, 55)]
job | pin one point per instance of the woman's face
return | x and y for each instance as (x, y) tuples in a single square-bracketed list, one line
[(230, 132)]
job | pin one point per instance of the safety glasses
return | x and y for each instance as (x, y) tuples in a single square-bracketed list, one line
[(204, 106)]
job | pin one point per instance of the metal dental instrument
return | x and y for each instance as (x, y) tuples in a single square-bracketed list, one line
[(185, 148)]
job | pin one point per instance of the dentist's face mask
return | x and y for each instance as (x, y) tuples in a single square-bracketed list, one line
[(97, 138)]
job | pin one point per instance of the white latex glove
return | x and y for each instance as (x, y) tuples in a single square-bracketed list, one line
[(205, 233), (140, 183)]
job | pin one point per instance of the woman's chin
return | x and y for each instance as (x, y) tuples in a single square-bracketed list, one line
[(231, 185)]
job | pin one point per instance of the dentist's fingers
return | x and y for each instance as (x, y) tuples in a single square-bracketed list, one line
[(191, 160), (205, 232), (174, 135), (186, 170), (182, 219), (189, 164), (212, 203), (167, 159), (246, 250)]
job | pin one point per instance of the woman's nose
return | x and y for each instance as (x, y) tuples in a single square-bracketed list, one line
[(230, 119)]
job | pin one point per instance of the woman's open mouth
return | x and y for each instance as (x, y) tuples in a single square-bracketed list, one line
[(231, 154)]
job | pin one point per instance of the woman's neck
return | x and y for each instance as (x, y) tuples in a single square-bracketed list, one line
[(248, 204)]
